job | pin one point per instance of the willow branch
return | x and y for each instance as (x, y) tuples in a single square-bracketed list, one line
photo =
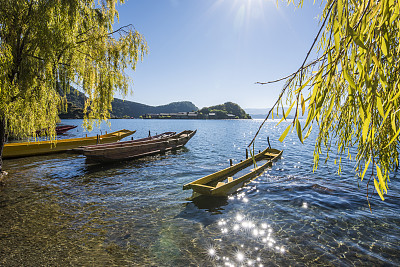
[(291, 77)]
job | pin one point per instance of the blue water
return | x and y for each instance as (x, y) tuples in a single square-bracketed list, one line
[(59, 210)]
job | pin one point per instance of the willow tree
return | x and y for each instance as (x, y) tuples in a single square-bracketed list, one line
[(47, 45), (351, 90)]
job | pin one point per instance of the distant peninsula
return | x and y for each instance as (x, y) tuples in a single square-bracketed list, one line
[(224, 111), (175, 110)]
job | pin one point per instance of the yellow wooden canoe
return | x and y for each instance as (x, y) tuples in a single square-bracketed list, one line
[(15, 150), (214, 185)]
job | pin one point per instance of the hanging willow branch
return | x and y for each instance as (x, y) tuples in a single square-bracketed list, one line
[(352, 91)]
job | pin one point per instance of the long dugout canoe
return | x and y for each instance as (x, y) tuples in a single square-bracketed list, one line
[(136, 149), (15, 150), (214, 185)]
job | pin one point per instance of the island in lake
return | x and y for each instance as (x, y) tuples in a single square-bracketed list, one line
[(176, 110)]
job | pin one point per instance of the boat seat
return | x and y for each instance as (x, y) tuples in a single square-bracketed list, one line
[(270, 154), (230, 179), (220, 184)]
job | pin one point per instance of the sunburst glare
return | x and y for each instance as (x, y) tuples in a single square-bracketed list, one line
[(244, 241)]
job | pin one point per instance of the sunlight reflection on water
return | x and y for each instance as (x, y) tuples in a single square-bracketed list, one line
[(59, 210), (252, 241)]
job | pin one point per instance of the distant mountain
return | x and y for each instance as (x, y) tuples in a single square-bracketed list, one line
[(225, 111), (122, 108)]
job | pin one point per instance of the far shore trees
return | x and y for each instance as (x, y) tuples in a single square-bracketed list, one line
[(351, 91), (45, 46)]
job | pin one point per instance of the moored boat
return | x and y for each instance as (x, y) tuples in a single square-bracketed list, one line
[(154, 138), (227, 181), (137, 148), (15, 150), (61, 129)]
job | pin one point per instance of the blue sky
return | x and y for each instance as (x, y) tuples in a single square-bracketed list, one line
[(213, 51)]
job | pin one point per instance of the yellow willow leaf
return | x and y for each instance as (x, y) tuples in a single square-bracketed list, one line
[(356, 38), (394, 16), (365, 127), (395, 97), (378, 190), (377, 8), (360, 67), (308, 133), (340, 9), (381, 180), (288, 111), (303, 105), (393, 122), (394, 138), (386, 115), (330, 107), (379, 173), (365, 169), (349, 79), (298, 128), (336, 35), (380, 106), (304, 85), (280, 121), (384, 47), (314, 93), (285, 133), (310, 116), (375, 60)]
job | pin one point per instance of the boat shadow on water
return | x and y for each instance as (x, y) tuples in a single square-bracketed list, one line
[(203, 209), (94, 166)]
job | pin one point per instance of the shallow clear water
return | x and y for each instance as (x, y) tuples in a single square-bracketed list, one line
[(60, 210)]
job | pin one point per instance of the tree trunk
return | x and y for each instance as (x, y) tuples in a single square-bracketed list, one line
[(2, 139)]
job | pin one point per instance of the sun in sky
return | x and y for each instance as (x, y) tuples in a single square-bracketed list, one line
[(214, 51)]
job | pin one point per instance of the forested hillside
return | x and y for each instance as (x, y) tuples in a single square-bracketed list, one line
[(122, 108)]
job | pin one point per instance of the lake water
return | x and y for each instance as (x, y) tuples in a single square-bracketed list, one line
[(58, 210)]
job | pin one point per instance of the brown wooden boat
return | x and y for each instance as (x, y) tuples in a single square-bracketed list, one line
[(81, 149), (137, 148), (61, 129)]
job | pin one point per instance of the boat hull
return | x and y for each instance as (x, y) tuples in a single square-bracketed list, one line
[(15, 150), (134, 149)]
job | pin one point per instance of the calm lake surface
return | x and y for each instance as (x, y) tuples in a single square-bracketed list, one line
[(58, 210)]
